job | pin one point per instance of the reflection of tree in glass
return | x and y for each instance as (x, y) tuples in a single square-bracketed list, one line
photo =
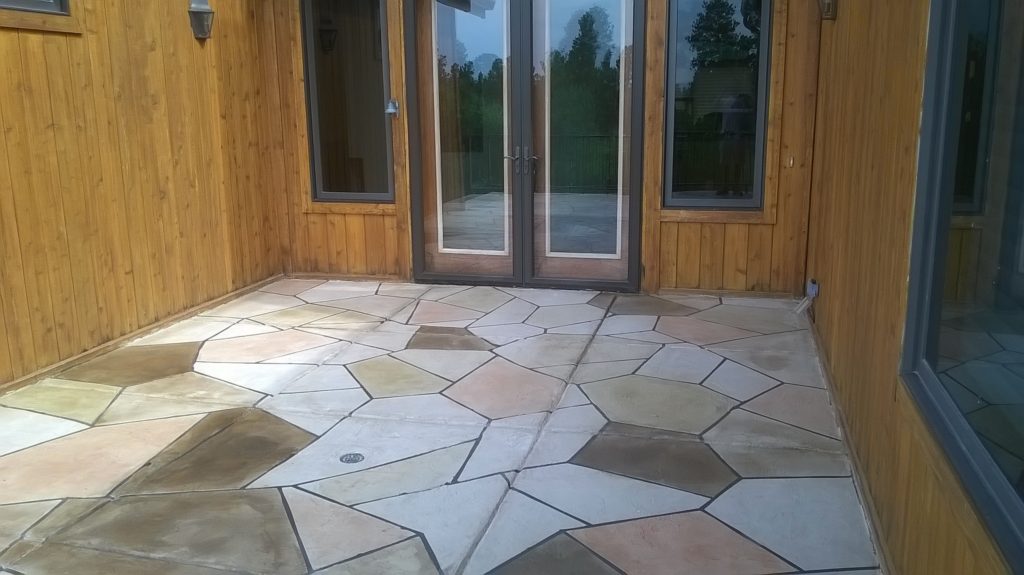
[(715, 38), (584, 105)]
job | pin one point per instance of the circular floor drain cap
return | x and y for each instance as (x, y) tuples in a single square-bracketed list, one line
[(352, 458)]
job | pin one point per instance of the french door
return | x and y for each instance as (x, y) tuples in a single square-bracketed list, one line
[(528, 128)]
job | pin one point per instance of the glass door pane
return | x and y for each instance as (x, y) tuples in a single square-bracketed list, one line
[(466, 137), (581, 110)]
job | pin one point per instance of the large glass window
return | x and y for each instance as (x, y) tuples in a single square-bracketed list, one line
[(965, 354), (44, 6), (347, 76), (717, 87)]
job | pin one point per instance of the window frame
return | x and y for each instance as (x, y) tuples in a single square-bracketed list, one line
[(998, 504), (318, 194), (54, 7), (756, 201)]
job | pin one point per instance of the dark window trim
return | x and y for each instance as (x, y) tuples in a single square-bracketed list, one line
[(58, 7), (313, 114), (756, 202), (998, 504)]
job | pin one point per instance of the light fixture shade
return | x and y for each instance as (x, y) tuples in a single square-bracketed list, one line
[(200, 15)]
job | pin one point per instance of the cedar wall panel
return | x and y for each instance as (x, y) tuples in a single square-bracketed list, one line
[(763, 250), (350, 239), (868, 119), (133, 184)]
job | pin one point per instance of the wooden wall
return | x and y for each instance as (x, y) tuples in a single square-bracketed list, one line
[(868, 119), (763, 250), (137, 179), (351, 239)]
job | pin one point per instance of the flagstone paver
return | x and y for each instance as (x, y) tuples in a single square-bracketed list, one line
[(347, 427)]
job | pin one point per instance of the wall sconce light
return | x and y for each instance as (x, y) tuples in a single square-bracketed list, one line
[(200, 15), (391, 108), (328, 35), (829, 10)]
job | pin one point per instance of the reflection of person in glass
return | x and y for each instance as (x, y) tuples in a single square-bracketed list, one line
[(737, 112)]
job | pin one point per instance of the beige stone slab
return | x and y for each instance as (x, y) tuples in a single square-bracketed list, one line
[(759, 319), (388, 377), (651, 402), (296, 316), (194, 386), (698, 331), (409, 557), (681, 362), (257, 348), (683, 544), (264, 378), (739, 382), (480, 298), (407, 476), (20, 429), (605, 349), (503, 389), (189, 330), (129, 408), (376, 305), (87, 464), (449, 364), (563, 315), (244, 328), (62, 398), (804, 407), (331, 533), (254, 304), (545, 350), (432, 312), (291, 286), (16, 519)]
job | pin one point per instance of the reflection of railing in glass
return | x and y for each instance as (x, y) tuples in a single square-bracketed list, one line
[(713, 163), (585, 163)]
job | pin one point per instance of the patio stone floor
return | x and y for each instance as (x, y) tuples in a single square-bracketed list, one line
[(362, 428)]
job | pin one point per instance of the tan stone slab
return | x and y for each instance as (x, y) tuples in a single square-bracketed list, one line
[(291, 286), (331, 533), (16, 519), (69, 399), (296, 316), (256, 348), (479, 298), (684, 544), (129, 408), (227, 450), (87, 464), (52, 558), (699, 331), (245, 531), (436, 312), (20, 429), (409, 557), (388, 377), (193, 386), (418, 473), (136, 364), (804, 407), (503, 389), (650, 402)]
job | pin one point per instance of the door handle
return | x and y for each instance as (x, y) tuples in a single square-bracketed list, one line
[(515, 159), (532, 159)]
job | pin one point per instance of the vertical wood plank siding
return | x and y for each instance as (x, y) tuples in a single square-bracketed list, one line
[(763, 250), (868, 119), (138, 176)]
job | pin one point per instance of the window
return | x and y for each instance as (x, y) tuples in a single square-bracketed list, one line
[(964, 356), (45, 6), (717, 84), (347, 77)]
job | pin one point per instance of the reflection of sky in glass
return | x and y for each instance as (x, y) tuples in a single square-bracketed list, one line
[(481, 31), (686, 12)]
